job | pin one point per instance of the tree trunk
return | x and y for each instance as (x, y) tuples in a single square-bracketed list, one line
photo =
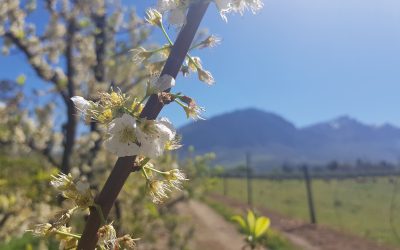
[(70, 126), (69, 137)]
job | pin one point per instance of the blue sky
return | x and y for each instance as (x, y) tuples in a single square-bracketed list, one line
[(307, 60)]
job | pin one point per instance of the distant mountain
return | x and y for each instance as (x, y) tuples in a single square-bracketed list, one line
[(272, 139)]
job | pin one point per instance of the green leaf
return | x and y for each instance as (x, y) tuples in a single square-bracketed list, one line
[(262, 224), (21, 79), (240, 221), (251, 221)]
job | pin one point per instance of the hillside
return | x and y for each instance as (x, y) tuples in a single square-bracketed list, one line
[(272, 139)]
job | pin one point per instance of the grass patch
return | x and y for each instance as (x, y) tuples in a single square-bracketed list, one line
[(359, 206), (27, 242)]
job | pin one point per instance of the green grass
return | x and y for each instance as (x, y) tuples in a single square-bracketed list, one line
[(27, 242), (273, 239), (359, 207)]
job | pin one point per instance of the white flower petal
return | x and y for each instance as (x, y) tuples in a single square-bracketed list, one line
[(81, 103), (123, 136)]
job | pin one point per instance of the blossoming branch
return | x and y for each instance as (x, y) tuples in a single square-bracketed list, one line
[(132, 131)]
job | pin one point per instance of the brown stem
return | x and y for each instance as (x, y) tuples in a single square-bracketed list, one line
[(118, 216), (125, 165), (100, 76)]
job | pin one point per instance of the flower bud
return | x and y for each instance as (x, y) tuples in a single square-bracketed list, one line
[(154, 17), (205, 76)]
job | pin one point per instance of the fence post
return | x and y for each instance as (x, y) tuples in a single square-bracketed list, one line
[(225, 184), (310, 199), (248, 177)]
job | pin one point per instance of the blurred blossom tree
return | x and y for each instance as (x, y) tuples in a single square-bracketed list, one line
[(83, 54), (80, 50)]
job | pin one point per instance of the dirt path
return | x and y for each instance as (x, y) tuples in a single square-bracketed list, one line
[(307, 236), (211, 230)]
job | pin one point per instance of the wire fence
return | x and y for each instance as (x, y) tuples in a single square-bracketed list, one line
[(363, 203)]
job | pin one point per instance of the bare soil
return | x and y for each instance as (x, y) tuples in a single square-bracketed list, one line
[(211, 230)]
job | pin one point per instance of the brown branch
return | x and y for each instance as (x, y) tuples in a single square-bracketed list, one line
[(100, 40), (99, 74), (125, 165), (70, 125)]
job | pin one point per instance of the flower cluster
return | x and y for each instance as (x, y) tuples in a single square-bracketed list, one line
[(176, 9), (159, 189), (79, 193), (238, 6), (130, 134), (107, 239)]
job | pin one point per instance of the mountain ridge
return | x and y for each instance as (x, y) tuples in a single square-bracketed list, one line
[(272, 139)]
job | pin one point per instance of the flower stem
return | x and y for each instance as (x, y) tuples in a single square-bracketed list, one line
[(67, 234), (145, 174), (166, 34), (156, 170), (195, 46), (193, 61), (143, 166), (180, 103), (161, 48), (171, 43)]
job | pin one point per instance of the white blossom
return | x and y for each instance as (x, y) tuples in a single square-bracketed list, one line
[(153, 17), (210, 41), (175, 177), (62, 182), (227, 6), (158, 190), (81, 104), (176, 10), (205, 76), (242, 5), (194, 112), (123, 140), (191, 109), (41, 230), (223, 7), (154, 135), (140, 54), (166, 5), (107, 237)]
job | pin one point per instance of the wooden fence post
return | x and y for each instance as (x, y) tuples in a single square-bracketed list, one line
[(249, 184), (225, 184), (310, 199)]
